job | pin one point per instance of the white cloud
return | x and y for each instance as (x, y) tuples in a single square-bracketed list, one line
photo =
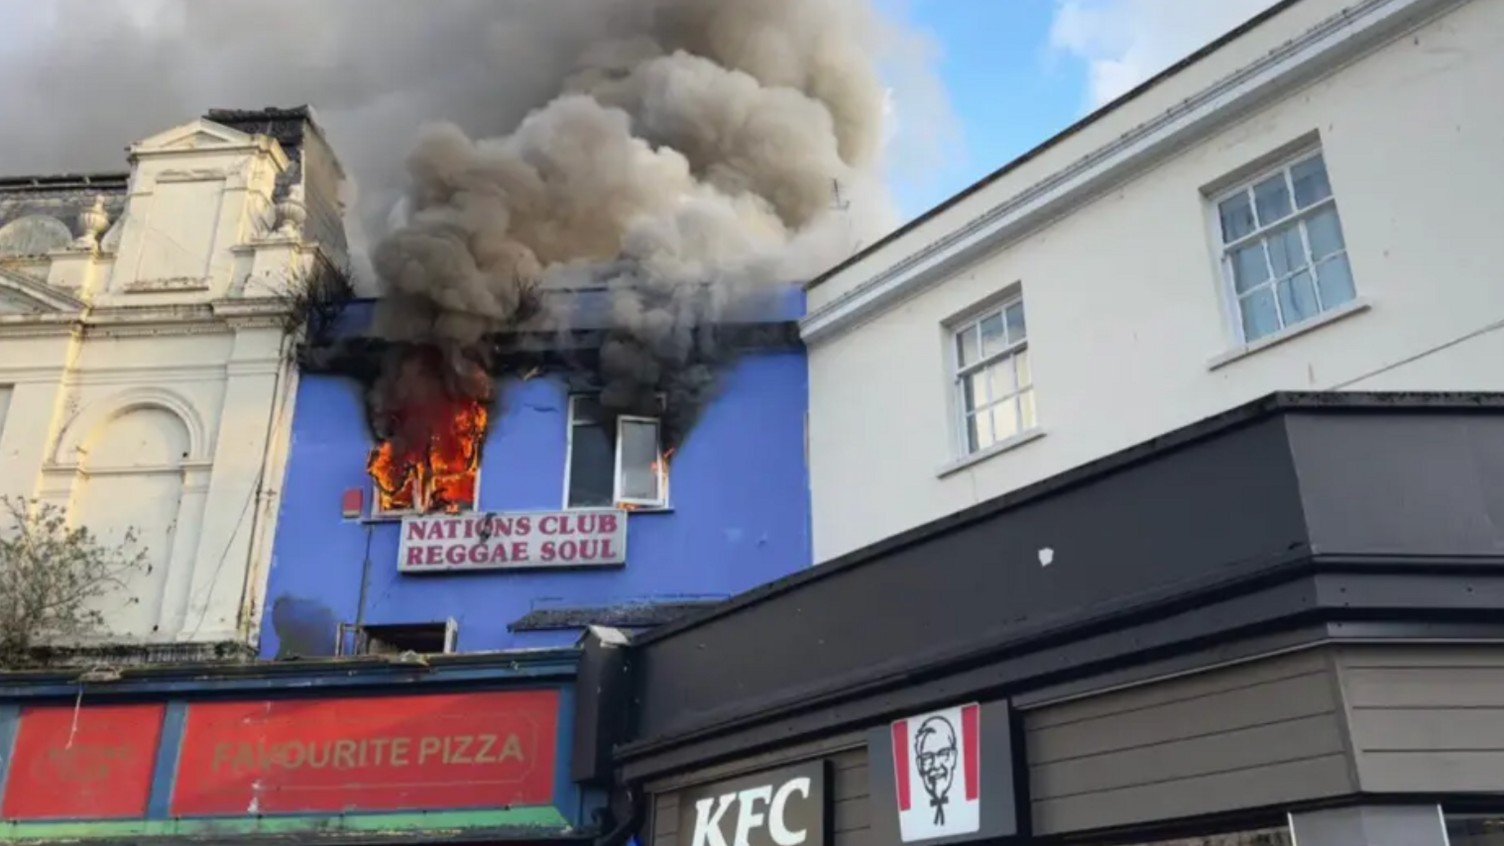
[(1124, 42)]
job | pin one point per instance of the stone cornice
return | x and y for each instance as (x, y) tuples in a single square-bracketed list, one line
[(216, 318), (1294, 64)]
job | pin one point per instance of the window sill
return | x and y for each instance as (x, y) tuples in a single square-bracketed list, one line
[(1360, 304), (386, 517), (990, 452), (399, 516)]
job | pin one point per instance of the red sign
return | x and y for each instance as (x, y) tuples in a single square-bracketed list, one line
[(447, 542), (83, 762), (424, 752)]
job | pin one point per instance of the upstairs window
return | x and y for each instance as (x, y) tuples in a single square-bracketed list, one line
[(611, 466), (419, 638), (993, 380), (1284, 259)]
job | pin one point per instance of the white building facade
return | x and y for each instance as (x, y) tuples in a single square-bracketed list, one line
[(1304, 205), (146, 370)]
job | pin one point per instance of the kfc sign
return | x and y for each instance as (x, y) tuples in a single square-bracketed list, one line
[(781, 808), (461, 542)]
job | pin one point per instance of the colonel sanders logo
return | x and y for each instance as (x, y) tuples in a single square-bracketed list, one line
[(935, 753)]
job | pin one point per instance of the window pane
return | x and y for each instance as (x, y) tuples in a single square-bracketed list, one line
[(1026, 412), (1249, 267), (639, 460), (1016, 330), (1000, 378), (994, 339), (1325, 232), (966, 346), (1297, 298), (1335, 277), (1259, 316), (1287, 253), (1272, 199), (1237, 217), (1005, 419), (979, 431), (592, 467), (587, 409), (1311, 185), (974, 391), (1022, 366)]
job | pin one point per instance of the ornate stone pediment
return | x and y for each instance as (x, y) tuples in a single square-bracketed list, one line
[(20, 295), (190, 137)]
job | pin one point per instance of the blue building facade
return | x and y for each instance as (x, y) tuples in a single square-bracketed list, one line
[(733, 513)]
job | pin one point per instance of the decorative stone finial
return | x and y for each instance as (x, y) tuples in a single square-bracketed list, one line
[(291, 213), (92, 223)]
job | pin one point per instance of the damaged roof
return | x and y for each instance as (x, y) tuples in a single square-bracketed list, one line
[(288, 126), (45, 209)]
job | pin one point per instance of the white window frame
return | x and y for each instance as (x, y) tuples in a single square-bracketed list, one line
[(1260, 235), (661, 503), (971, 321), (379, 513), (361, 644)]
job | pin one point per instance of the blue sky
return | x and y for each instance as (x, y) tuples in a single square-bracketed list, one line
[(1019, 71)]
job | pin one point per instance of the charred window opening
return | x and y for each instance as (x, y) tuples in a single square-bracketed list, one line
[(430, 437), (614, 462)]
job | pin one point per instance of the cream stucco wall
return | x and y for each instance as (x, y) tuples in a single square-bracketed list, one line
[(1129, 330), (146, 380)]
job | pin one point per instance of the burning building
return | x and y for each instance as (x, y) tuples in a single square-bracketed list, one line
[(512, 511), (580, 314)]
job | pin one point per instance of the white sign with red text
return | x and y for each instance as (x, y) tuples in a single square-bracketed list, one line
[(447, 543)]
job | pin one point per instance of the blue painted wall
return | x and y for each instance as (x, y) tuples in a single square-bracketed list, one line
[(739, 497)]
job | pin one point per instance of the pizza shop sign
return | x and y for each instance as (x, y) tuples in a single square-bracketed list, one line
[(445, 543)]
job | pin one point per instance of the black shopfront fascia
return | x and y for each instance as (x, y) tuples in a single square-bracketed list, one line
[(1296, 519)]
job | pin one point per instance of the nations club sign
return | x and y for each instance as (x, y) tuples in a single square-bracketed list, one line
[(446, 543)]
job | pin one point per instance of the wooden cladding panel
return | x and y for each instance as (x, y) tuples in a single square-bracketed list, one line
[(1246, 736), (1426, 718)]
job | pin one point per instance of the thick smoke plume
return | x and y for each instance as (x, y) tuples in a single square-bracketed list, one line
[(698, 155), (688, 155)]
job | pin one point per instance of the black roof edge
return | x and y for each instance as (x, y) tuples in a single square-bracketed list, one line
[(1056, 140), (1246, 414)]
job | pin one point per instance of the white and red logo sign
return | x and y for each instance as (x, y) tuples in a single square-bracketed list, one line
[(937, 770)]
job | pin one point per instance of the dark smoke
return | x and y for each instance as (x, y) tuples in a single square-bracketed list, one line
[(691, 165), (86, 77), (681, 153)]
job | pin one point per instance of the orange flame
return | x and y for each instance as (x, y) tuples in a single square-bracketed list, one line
[(660, 468), (432, 461)]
